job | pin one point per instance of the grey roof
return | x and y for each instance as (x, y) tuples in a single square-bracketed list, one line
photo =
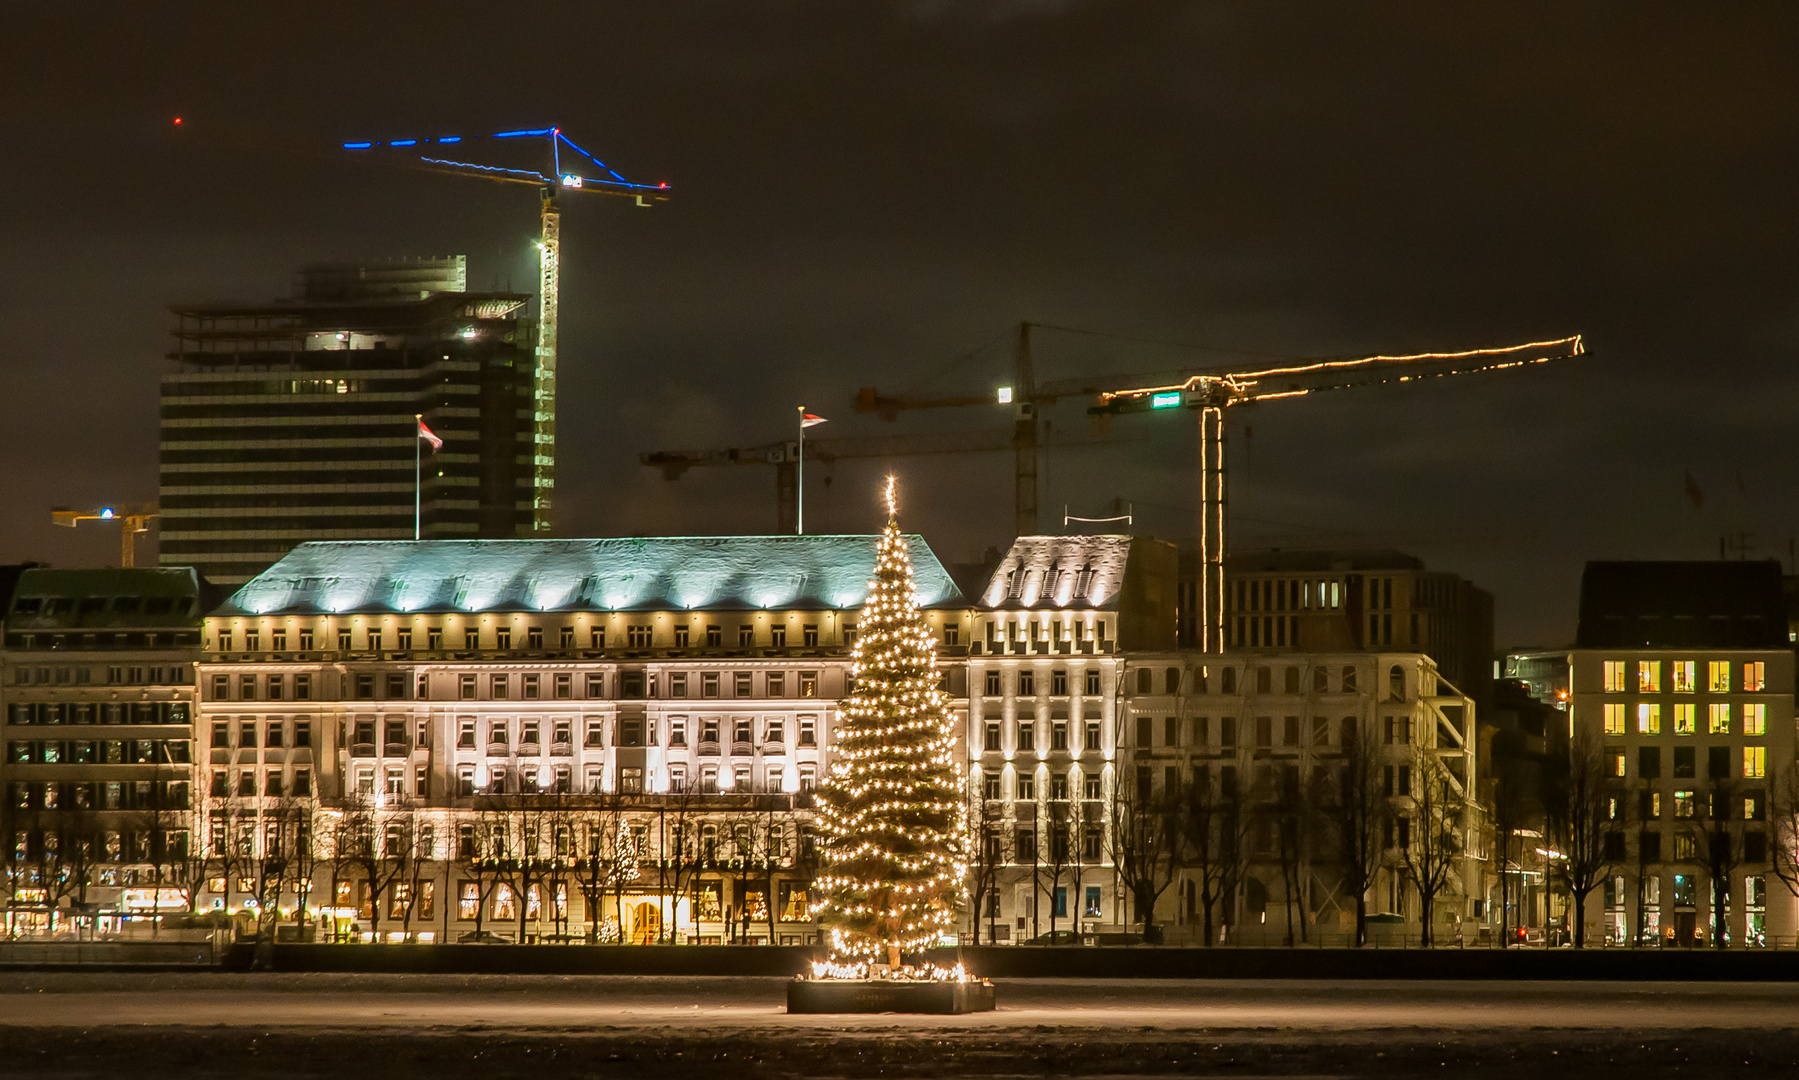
[(47, 599), (1717, 605), (742, 573), (1059, 573)]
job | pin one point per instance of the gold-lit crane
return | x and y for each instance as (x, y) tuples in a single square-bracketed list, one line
[(133, 519), (1211, 392)]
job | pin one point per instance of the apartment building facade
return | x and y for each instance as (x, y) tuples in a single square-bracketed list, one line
[(1682, 675), (1055, 627), (465, 683), (297, 420), (97, 695)]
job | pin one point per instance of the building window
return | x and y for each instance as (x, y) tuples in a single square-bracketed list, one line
[(1684, 677), (465, 734), (1755, 762), (746, 635), (1684, 804), (1755, 718), (637, 637), (1754, 677), (1614, 718), (502, 637), (1718, 718), (306, 641), (808, 731), (564, 686), (1027, 684), (533, 688), (1649, 676), (1092, 742), (1058, 736), (777, 684), (1717, 674), (709, 684), (677, 684), (1685, 715), (740, 684), (497, 688), (808, 684), (246, 687), (1025, 787), (1027, 736), (465, 687), (1649, 719), (596, 685)]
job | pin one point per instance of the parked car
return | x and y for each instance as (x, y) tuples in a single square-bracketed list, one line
[(482, 937), (1058, 937)]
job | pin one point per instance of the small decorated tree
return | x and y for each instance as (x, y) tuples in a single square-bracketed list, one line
[(892, 816)]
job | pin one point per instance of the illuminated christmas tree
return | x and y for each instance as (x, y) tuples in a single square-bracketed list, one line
[(895, 834)]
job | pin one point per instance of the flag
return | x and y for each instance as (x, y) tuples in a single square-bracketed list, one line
[(1694, 493), (810, 419), (430, 436)]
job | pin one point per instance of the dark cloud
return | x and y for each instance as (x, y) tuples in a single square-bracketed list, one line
[(868, 191)]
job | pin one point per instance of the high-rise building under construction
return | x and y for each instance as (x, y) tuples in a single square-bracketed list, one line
[(299, 419)]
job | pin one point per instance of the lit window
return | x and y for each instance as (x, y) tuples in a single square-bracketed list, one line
[(1649, 719), (1718, 718), (1614, 718), (1755, 762), (1614, 676), (1755, 719), (1649, 676), (1685, 715), (1683, 804), (1754, 677), (1684, 676), (1718, 676)]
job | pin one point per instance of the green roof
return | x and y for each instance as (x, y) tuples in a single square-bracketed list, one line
[(48, 599), (745, 573)]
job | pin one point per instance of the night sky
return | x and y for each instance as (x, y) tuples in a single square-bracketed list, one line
[(867, 192)]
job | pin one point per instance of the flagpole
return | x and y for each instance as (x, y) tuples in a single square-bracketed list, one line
[(800, 480), (418, 471)]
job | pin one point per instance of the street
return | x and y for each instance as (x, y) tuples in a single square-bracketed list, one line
[(304, 1025)]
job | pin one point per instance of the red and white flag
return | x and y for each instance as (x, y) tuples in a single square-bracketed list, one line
[(430, 436), (810, 419)]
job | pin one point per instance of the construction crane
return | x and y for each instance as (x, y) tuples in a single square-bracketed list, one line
[(1210, 393), (1026, 397), (133, 519), (449, 154), (785, 456)]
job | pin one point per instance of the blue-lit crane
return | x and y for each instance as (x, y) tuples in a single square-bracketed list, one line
[(450, 154)]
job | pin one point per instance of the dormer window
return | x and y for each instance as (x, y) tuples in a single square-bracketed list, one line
[(1015, 583), (1083, 581)]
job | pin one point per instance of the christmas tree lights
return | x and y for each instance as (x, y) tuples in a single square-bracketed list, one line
[(895, 832)]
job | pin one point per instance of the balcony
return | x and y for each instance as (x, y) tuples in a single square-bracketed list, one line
[(742, 749), (362, 749), (708, 749), (530, 749), (774, 749), (496, 749), (562, 749), (395, 749)]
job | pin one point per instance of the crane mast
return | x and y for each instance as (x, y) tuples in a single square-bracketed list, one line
[(550, 178)]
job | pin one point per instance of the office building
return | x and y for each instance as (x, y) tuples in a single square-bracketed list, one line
[(97, 685), (1682, 676), (295, 420)]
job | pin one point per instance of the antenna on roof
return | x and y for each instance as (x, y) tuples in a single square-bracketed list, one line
[(1126, 517)]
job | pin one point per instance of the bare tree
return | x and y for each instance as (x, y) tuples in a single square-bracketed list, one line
[(376, 843), (987, 852), (476, 856), (1783, 826), (1718, 846), (1360, 813), (1212, 849), (1580, 822), (1144, 840), (1058, 837), (1511, 800), (1434, 847)]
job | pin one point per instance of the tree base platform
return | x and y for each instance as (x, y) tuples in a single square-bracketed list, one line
[(884, 996)]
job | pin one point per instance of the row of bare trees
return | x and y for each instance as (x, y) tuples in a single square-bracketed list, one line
[(1363, 810)]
